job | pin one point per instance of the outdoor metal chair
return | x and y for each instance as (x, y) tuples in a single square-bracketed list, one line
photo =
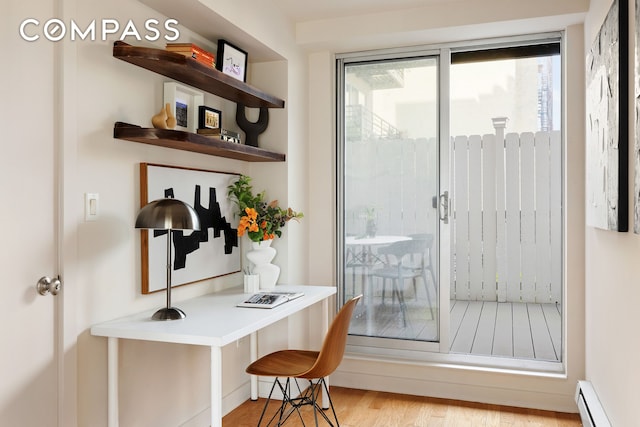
[(409, 259)]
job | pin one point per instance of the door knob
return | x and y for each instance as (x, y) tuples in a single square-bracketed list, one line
[(47, 285)]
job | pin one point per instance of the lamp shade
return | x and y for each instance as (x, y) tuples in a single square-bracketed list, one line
[(168, 214)]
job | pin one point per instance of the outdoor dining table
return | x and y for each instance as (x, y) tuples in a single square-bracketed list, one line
[(363, 255)]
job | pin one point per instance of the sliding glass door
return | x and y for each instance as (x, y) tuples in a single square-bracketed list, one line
[(450, 200), (389, 225)]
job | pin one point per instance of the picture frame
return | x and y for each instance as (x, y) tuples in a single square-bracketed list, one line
[(232, 60), (213, 251), (209, 118), (607, 92), (184, 102)]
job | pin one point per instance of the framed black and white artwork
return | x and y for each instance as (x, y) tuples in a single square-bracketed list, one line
[(232, 60), (197, 255), (607, 122)]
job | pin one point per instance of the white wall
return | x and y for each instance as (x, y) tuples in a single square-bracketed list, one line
[(102, 267), (439, 379), (612, 289), (101, 258)]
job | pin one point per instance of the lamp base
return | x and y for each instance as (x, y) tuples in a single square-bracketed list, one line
[(168, 313)]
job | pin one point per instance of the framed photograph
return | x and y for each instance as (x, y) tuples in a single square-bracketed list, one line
[(209, 118), (184, 102), (232, 60), (197, 255), (607, 122)]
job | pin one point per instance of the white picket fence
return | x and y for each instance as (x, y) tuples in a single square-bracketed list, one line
[(506, 207), (507, 219)]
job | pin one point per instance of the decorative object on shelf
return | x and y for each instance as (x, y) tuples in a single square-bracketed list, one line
[(252, 130), (168, 215), (211, 252), (184, 102), (232, 60), (171, 119), (230, 136), (159, 121), (260, 256), (260, 221), (209, 132), (607, 122), (164, 119), (209, 118), (193, 51)]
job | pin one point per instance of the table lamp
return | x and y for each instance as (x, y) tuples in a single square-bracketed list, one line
[(168, 214)]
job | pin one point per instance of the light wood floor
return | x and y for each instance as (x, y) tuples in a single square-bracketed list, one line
[(361, 408)]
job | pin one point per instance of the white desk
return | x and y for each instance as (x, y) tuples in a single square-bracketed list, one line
[(212, 320)]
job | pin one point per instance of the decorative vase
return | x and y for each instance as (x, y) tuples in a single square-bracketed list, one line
[(159, 121), (164, 119), (171, 119), (371, 228), (260, 257)]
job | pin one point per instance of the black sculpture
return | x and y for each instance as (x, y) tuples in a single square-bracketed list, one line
[(252, 130)]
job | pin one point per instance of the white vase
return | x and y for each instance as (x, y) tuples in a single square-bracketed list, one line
[(260, 257)]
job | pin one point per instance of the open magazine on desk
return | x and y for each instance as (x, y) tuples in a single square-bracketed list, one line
[(269, 299)]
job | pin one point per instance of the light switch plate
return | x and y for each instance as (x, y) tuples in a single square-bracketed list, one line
[(91, 206)]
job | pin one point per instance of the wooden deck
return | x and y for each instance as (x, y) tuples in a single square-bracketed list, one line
[(517, 330)]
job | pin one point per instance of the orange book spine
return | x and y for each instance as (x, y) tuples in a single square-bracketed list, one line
[(207, 60)]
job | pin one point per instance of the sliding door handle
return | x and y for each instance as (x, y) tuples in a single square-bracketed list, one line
[(444, 207)]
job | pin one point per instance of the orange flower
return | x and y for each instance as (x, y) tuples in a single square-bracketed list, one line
[(248, 222)]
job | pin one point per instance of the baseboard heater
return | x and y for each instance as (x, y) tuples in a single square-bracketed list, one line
[(589, 406)]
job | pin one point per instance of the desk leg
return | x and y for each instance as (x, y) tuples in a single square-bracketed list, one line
[(112, 381), (216, 386), (325, 329), (253, 354)]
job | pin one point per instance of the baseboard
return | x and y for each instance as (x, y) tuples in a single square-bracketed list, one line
[(457, 387), (229, 402), (264, 388), (234, 399)]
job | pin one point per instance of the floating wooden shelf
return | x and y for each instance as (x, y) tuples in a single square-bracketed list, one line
[(188, 141), (191, 72)]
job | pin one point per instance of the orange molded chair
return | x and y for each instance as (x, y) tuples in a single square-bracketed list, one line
[(309, 365)]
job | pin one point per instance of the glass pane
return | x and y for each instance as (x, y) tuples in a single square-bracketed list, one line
[(390, 192), (506, 290)]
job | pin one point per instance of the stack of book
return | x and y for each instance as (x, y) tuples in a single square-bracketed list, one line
[(191, 50), (230, 136), (208, 132)]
